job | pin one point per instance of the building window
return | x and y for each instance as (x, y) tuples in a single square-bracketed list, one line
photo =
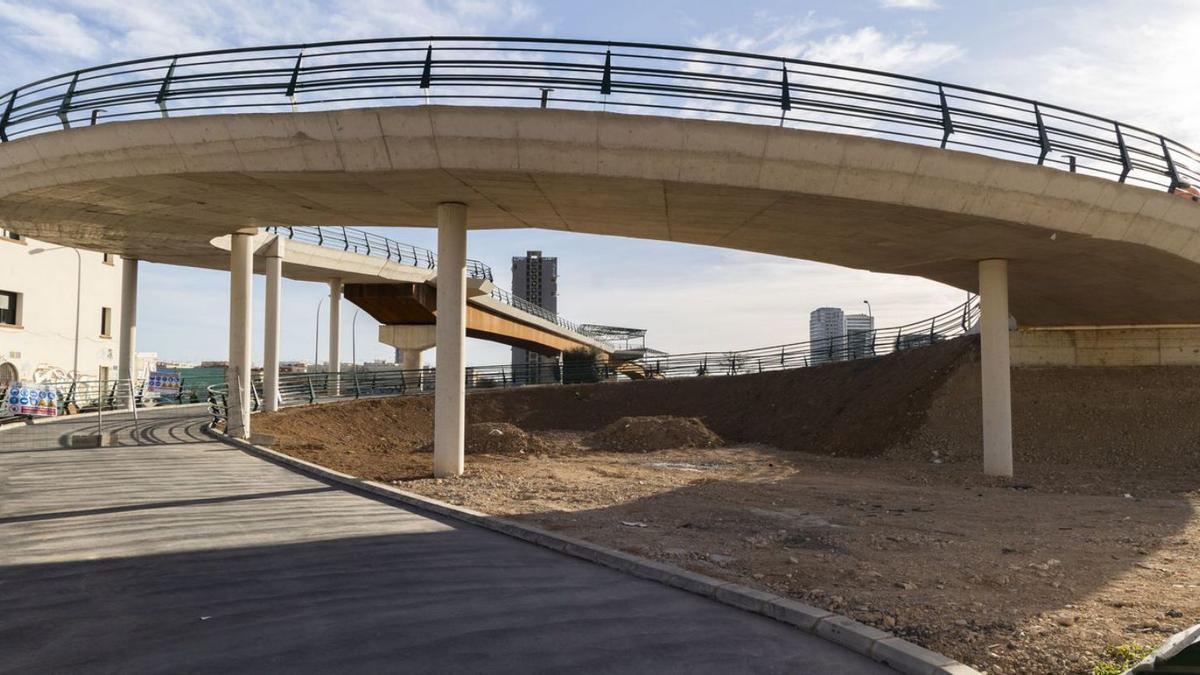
[(8, 308), (108, 258), (106, 322), (11, 236)]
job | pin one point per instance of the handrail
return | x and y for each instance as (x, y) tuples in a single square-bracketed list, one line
[(311, 388), (368, 243), (587, 74)]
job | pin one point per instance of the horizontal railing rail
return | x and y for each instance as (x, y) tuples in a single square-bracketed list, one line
[(362, 242), (311, 388), (597, 75)]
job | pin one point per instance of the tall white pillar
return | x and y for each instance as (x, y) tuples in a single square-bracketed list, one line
[(450, 392), (335, 332), (997, 389), (273, 256), (237, 376), (128, 332)]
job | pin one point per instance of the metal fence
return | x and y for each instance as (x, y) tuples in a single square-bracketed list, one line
[(596, 75), (311, 388), (849, 347)]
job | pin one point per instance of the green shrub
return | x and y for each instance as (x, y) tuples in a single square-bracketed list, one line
[(1120, 658)]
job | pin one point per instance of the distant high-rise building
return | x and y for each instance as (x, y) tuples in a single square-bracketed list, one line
[(860, 336), (827, 335), (534, 278)]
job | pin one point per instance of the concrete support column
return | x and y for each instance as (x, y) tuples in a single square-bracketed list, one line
[(237, 376), (997, 389), (274, 263), (335, 331), (410, 359), (450, 392), (128, 331)]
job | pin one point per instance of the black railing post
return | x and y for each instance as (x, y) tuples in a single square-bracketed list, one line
[(12, 101), (1126, 164), (785, 94), (606, 79), (947, 123), (312, 393), (65, 107), (165, 91), (1043, 137), (291, 89), (427, 73), (1172, 171)]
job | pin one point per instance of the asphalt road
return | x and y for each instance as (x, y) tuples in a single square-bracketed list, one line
[(175, 553)]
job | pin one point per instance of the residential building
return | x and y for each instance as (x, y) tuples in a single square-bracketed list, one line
[(535, 278), (46, 291), (827, 335), (860, 336)]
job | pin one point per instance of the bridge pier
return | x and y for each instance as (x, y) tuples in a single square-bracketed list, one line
[(449, 415), (273, 255), (996, 370), (128, 332), (335, 333), (238, 374)]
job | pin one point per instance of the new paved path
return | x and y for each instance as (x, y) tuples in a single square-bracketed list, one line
[(185, 555)]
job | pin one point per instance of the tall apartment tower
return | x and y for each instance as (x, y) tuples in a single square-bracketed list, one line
[(827, 335), (860, 336), (534, 278)]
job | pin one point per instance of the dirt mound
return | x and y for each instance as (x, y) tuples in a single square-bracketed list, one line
[(499, 438), (856, 408), (646, 434)]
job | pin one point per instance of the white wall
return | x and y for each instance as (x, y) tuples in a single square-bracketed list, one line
[(42, 348)]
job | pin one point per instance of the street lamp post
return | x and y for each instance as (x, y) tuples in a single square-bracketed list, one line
[(78, 300), (317, 334), (871, 315)]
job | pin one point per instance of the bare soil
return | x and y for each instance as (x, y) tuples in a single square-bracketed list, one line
[(1094, 543), (659, 432)]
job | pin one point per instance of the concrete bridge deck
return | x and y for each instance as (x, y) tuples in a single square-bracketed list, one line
[(184, 554)]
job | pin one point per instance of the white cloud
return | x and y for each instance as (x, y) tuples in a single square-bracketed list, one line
[(910, 4), (47, 31), (1117, 60), (812, 38), (869, 48)]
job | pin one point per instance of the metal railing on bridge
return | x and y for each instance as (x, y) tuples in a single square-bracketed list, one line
[(367, 243), (632, 77)]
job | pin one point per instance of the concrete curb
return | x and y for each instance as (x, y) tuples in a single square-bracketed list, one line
[(901, 655)]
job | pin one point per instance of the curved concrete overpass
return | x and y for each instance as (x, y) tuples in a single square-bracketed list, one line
[(1082, 250)]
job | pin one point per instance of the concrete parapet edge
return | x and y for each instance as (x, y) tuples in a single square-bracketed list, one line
[(896, 653)]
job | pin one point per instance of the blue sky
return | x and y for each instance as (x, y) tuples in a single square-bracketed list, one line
[(1123, 59)]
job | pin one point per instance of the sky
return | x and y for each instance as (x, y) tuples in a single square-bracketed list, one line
[(1124, 59)]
